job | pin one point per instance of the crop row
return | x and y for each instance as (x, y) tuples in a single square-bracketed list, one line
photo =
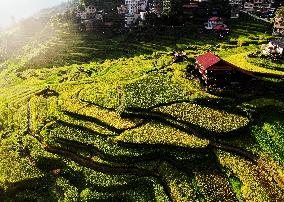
[(156, 133), (96, 128), (108, 117), (154, 90), (214, 186), (253, 188), (105, 144), (269, 134), (42, 111), (116, 73), (179, 183), (208, 118), (107, 147)]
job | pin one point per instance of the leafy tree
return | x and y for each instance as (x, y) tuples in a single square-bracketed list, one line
[(88, 2), (103, 4), (151, 19), (280, 11)]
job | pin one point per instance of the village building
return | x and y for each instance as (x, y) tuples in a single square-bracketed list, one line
[(278, 27), (213, 21), (236, 6), (217, 26), (274, 47), (218, 72), (131, 19), (135, 11), (132, 6), (249, 7), (160, 6), (142, 5)]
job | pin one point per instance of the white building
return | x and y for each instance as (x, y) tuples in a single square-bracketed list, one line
[(142, 5), (135, 10), (274, 47), (132, 6)]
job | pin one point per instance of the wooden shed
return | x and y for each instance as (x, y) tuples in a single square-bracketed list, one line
[(218, 72)]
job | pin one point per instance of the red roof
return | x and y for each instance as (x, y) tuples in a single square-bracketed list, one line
[(207, 60), (220, 27), (215, 19)]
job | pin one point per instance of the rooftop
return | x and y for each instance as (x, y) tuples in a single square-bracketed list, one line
[(208, 59)]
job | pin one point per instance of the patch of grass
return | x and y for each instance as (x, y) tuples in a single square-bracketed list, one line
[(237, 186), (154, 90), (179, 183), (253, 188), (214, 186), (270, 134), (204, 117), (157, 133)]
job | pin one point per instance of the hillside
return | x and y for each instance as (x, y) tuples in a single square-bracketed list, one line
[(97, 117)]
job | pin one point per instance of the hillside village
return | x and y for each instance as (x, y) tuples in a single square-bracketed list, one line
[(135, 12), (139, 13)]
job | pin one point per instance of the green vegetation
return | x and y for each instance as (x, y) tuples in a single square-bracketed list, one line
[(89, 117), (154, 133), (269, 134), (205, 117)]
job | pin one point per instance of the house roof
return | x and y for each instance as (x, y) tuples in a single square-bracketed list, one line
[(221, 27), (207, 60), (215, 19)]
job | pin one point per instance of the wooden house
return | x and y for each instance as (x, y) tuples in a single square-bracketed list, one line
[(218, 72)]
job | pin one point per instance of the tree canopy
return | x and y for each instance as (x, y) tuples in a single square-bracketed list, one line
[(102, 3), (280, 11)]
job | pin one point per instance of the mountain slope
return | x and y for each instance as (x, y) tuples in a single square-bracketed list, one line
[(90, 117)]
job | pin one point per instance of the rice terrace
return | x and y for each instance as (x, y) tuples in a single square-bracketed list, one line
[(170, 101)]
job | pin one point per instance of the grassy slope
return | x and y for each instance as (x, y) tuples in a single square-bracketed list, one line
[(132, 126)]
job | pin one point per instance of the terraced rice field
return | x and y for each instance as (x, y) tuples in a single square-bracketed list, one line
[(138, 128)]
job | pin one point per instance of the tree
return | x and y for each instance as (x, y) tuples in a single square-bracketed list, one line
[(280, 11), (103, 4), (88, 2), (151, 19)]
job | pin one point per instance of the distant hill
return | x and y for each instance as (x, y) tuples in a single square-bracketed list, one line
[(35, 29)]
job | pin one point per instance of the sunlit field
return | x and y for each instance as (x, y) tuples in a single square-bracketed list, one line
[(109, 117)]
